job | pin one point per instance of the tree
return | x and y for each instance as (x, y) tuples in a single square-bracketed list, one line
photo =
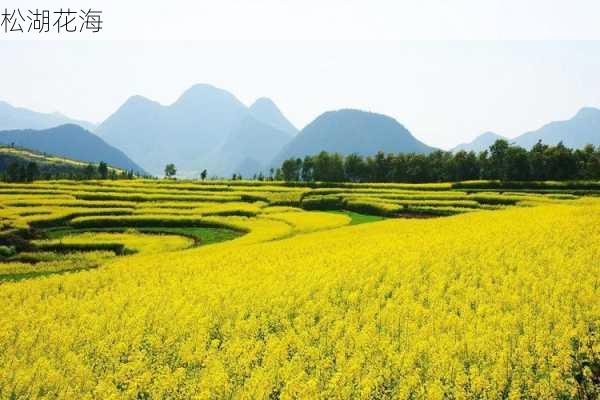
[(502, 161), (537, 161), (89, 172), (103, 170), (12, 172), (498, 155), (588, 162), (561, 163), (203, 175), (328, 167), (290, 169), (355, 168), (170, 170), (517, 164), (22, 177), (381, 166), (32, 171), (465, 166), (306, 171)]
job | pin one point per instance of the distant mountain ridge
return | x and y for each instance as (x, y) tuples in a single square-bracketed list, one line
[(201, 130), (480, 143), (267, 112), (12, 118), (576, 132), (209, 128), (70, 141), (352, 131), (581, 129)]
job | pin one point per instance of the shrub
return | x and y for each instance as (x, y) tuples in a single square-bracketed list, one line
[(7, 251), (327, 202)]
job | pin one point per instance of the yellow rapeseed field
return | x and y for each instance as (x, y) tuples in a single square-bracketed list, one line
[(485, 304)]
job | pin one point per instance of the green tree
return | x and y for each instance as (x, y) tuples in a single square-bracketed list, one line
[(465, 166), (12, 172), (355, 168), (307, 169), (203, 175), (89, 172), (32, 171), (588, 162), (290, 169), (517, 164), (561, 162), (170, 170), (103, 170), (538, 161), (497, 162)]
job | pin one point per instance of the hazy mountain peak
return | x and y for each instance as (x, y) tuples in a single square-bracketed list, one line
[(138, 103), (184, 132), (71, 141), (588, 112), (480, 143), (490, 135), (582, 129), (265, 110), (263, 102), (206, 95), (12, 117), (349, 131), (136, 98)]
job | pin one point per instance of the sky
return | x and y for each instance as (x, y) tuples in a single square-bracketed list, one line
[(448, 71)]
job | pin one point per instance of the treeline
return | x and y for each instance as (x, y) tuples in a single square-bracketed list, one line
[(501, 161), (19, 170)]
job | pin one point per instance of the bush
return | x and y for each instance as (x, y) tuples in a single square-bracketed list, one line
[(7, 251), (372, 207), (327, 202), (116, 248)]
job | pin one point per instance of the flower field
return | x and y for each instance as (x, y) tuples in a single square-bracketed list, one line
[(149, 289)]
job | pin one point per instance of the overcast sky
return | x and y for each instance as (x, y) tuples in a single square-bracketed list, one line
[(319, 58)]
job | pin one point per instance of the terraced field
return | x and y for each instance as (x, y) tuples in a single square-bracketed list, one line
[(165, 289)]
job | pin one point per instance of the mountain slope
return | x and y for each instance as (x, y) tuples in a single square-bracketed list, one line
[(352, 131), (250, 140), (21, 118), (265, 111), (71, 141), (480, 143), (49, 166), (248, 168), (205, 128), (582, 129)]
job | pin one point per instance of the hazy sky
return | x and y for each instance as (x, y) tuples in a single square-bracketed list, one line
[(445, 91)]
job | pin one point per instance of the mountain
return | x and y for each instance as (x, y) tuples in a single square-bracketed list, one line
[(582, 129), (71, 141), (265, 111), (352, 131), (480, 143), (250, 144), (248, 168), (21, 118), (206, 127)]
